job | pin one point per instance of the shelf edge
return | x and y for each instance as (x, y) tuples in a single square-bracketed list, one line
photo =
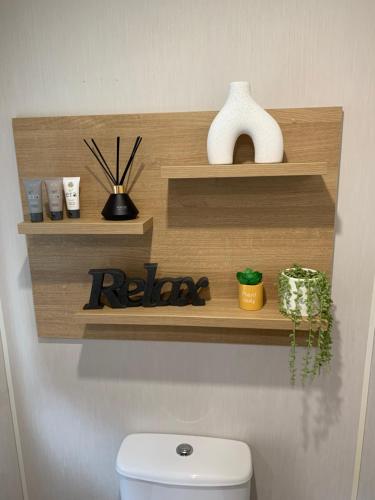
[(89, 318), (242, 170), (92, 228)]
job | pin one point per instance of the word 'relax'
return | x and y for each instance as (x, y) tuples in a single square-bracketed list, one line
[(134, 292)]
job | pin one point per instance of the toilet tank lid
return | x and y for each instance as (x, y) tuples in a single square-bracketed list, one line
[(212, 463)]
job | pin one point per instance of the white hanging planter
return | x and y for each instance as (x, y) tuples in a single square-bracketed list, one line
[(296, 284), (242, 115)]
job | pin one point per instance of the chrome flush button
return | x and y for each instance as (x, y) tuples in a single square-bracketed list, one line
[(184, 449)]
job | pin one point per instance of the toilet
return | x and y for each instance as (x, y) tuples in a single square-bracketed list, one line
[(178, 467)]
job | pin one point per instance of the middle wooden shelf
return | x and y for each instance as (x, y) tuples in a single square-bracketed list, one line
[(217, 313)]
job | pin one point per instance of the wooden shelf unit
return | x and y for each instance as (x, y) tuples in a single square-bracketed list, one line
[(219, 313), (86, 226), (211, 228), (243, 170)]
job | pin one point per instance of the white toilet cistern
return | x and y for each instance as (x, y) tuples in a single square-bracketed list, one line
[(171, 467)]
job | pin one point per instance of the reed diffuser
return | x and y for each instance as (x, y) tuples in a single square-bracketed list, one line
[(119, 205)]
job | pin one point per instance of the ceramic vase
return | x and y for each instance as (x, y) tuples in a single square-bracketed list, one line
[(242, 115), (290, 306), (250, 297)]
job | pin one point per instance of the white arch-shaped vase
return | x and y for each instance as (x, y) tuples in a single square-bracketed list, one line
[(242, 115)]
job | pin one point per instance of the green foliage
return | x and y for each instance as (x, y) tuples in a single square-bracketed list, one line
[(314, 289), (249, 277), (299, 272)]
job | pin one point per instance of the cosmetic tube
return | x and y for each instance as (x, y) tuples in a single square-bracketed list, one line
[(55, 197), (33, 188), (71, 190)]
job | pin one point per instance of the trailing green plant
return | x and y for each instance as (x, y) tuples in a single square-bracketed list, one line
[(249, 277), (313, 290)]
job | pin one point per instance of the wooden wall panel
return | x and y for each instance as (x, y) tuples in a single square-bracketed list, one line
[(210, 227)]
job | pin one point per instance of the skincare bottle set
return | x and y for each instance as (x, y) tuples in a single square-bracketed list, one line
[(55, 188)]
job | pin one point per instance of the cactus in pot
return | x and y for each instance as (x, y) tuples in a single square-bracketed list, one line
[(250, 289)]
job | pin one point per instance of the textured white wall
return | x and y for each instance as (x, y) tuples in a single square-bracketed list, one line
[(10, 482), (77, 400)]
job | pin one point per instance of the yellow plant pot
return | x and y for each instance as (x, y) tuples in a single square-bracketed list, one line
[(250, 296)]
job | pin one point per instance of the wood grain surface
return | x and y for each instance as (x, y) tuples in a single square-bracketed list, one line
[(86, 226), (219, 313), (201, 227), (242, 170)]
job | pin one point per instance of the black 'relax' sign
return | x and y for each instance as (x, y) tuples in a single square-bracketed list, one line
[(134, 292)]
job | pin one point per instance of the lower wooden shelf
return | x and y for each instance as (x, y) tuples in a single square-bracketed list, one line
[(218, 313)]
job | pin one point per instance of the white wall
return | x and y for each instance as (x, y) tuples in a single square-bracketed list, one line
[(10, 481), (76, 400)]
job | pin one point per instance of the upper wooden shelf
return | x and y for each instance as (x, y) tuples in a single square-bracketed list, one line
[(243, 170), (217, 313), (86, 226)]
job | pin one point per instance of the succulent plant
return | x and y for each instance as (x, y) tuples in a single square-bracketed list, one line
[(249, 277)]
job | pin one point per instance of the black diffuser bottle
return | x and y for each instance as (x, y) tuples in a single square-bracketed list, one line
[(119, 206)]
